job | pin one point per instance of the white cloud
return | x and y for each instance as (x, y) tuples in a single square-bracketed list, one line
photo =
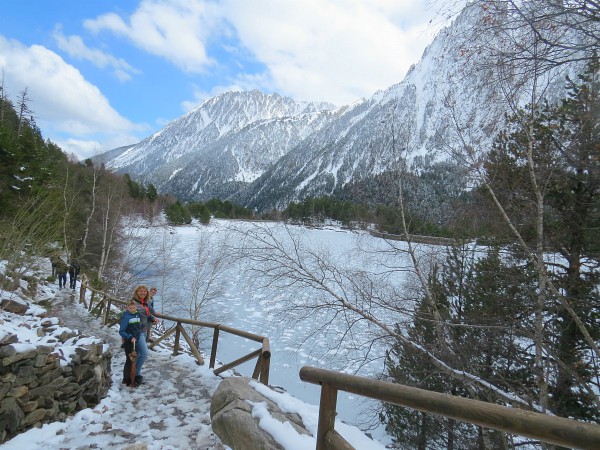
[(324, 50), (63, 102), (76, 48), (335, 50), (82, 148), (59, 92), (87, 148), (173, 29)]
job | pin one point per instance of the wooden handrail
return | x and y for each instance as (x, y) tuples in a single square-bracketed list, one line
[(263, 354), (553, 430)]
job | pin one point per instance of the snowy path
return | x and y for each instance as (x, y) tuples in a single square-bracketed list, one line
[(169, 411)]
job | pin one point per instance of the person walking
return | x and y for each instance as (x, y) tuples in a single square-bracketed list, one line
[(130, 329), (74, 269), (142, 297), (61, 271), (153, 292)]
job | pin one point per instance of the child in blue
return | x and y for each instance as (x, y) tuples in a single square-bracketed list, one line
[(130, 330)]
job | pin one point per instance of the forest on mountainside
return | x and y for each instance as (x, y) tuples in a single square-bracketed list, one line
[(52, 205)]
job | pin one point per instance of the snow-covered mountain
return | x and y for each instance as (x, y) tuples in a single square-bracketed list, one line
[(266, 150)]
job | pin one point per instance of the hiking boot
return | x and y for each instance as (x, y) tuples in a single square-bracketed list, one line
[(139, 379)]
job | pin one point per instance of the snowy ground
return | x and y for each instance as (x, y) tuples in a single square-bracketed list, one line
[(169, 411)]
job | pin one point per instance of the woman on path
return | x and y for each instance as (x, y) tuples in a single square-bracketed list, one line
[(130, 330), (142, 297)]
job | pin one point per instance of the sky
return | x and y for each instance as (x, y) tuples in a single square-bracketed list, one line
[(176, 411), (107, 73)]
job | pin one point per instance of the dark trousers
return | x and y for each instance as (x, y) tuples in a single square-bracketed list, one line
[(62, 280), (128, 346), (72, 280)]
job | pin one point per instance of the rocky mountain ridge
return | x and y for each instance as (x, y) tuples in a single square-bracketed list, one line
[(265, 150)]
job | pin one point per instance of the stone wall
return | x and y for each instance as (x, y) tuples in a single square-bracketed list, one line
[(35, 388)]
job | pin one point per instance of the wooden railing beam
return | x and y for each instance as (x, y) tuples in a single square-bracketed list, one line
[(163, 337), (335, 441), (256, 372), (553, 430), (237, 362), (193, 348)]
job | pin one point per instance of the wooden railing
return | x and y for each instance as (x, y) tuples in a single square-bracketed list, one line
[(553, 430), (101, 303)]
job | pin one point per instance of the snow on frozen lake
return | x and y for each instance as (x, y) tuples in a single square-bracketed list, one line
[(242, 302)]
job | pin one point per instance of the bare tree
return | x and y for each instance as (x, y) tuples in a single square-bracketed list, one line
[(3, 98), (109, 222), (203, 284), (320, 285), (94, 185), (564, 32)]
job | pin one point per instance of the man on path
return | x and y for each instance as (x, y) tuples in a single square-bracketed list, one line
[(61, 271), (74, 269)]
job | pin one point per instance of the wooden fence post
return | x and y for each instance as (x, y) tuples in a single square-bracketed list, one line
[(91, 301), (213, 352), (327, 413), (265, 361), (106, 312), (177, 334), (82, 291)]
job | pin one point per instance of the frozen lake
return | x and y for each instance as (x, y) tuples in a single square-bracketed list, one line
[(217, 267)]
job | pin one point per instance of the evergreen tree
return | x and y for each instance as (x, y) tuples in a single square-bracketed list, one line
[(566, 169), (178, 214), (151, 193)]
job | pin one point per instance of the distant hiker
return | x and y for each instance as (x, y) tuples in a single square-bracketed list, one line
[(74, 269), (130, 330), (142, 297), (153, 292), (54, 258), (61, 271)]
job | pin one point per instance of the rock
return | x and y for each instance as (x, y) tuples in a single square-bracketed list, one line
[(8, 338), (8, 350), (16, 306), (34, 416), (232, 419)]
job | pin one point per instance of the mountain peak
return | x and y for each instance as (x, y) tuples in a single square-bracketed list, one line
[(265, 150)]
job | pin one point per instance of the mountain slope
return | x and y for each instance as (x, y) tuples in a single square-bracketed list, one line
[(266, 150)]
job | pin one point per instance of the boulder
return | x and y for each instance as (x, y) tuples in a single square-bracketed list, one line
[(232, 420), (14, 305)]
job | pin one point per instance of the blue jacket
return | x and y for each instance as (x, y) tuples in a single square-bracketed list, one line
[(131, 326)]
